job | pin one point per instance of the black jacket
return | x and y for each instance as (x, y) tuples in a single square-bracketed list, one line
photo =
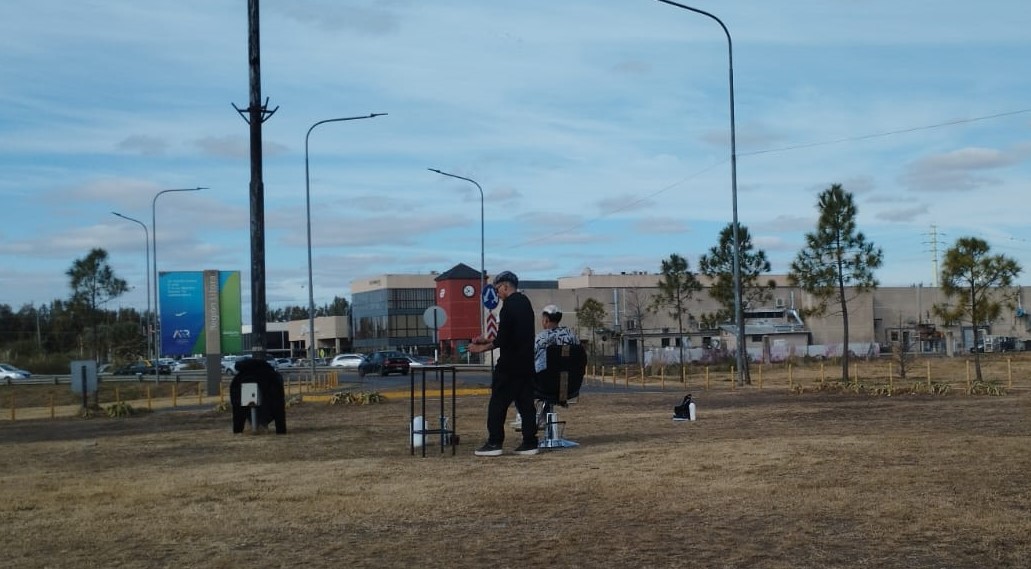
[(515, 337)]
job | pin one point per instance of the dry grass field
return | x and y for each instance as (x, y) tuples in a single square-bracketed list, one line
[(766, 478)]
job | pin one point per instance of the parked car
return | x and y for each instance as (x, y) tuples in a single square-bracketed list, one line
[(284, 362), (384, 363), (419, 361), (8, 371), (142, 367), (347, 361), (229, 363)]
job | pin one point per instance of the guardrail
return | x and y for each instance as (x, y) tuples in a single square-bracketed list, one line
[(194, 375)]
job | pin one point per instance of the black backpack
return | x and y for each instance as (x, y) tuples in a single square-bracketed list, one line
[(683, 411)]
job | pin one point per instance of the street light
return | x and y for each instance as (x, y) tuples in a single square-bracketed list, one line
[(742, 361), (483, 271), (307, 211), (146, 271), (154, 245)]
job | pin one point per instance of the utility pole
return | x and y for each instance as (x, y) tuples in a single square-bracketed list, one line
[(257, 113)]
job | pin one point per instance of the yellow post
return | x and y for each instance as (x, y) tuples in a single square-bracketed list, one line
[(626, 377), (968, 374), (200, 394), (733, 383), (52, 411), (760, 376), (222, 393), (822, 374), (150, 405), (175, 394), (706, 377), (928, 374), (791, 378), (662, 376), (1009, 371), (890, 381), (603, 375), (118, 397), (12, 405)]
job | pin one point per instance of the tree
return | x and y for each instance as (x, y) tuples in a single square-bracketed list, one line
[(836, 256), (718, 265), (591, 314), (677, 285), (93, 283), (978, 281)]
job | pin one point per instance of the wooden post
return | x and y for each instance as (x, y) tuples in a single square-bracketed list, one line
[(662, 376), (1009, 371), (222, 393), (706, 377), (968, 374), (822, 374), (626, 377), (150, 405), (733, 384), (928, 375), (760, 376), (118, 396), (200, 395), (52, 410), (890, 381), (791, 379), (12, 405), (175, 394)]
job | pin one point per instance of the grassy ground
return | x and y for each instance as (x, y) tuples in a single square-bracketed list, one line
[(765, 478)]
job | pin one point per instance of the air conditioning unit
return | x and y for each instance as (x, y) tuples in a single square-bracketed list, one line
[(779, 303)]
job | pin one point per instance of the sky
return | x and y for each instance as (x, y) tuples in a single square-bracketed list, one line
[(599, 131)]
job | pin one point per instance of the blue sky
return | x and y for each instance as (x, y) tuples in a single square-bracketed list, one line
[(599, 131)]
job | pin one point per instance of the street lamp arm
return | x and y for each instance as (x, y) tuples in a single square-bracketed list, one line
[(483, 268), (307, 211), (154, 257), (742, 360), (146, 272)]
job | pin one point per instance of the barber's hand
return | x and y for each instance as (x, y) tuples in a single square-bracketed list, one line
[(480, 340)]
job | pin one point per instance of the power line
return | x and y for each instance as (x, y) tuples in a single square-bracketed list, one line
[(668, 187), (884, 134)]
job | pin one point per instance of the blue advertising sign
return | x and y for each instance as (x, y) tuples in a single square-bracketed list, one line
[(490, 297)]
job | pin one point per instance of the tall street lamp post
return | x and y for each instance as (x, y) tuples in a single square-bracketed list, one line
[(307, 211), (483, 271), (154, 245), (146, 271), (742, 360)]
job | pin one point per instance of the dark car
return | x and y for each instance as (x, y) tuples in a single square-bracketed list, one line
[(142, 367), (384, 363)]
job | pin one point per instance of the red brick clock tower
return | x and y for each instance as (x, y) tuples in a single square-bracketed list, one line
[(458, 293)]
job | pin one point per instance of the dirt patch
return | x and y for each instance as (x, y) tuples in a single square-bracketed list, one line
[(764, 478)]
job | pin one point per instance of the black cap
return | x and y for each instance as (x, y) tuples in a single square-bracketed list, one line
[(506, 277)]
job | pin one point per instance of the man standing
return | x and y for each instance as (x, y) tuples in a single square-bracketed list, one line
[(513, 374)]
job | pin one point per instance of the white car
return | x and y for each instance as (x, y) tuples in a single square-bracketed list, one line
[(283, 362), (347, 361), (8, 371)]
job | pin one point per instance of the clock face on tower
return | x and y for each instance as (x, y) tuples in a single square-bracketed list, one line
[(468, 291)]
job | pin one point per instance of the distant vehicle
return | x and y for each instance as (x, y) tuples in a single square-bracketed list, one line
[(8, 371), (142, 367), (229, 363), (419, 361), (385, 363), (284, 362), (348, 361), (186, 364)]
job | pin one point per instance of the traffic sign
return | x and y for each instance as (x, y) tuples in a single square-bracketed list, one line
[(492, 326), (434, 317), (490, 297)]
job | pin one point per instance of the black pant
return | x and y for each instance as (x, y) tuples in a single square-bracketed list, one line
[(505, 391)]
